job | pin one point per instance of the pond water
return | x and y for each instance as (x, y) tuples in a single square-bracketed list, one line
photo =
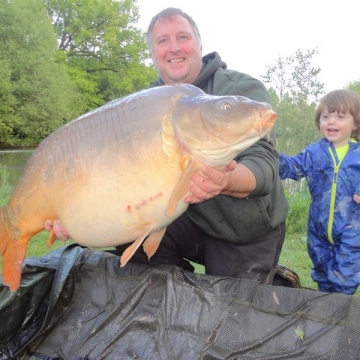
[(12, 164)]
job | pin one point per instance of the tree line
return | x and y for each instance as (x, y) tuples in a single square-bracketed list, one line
[(61, 58), (295, 91)]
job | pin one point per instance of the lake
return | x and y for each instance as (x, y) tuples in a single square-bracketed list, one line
[(12, 163)]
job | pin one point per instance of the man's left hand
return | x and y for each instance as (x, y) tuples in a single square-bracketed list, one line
[(208, 182)]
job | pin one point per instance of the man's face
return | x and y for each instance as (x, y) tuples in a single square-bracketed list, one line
[(175, 51)]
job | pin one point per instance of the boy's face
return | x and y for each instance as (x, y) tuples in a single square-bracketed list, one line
[(337, 127)]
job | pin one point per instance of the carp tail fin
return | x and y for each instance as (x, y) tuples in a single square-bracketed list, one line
[(13, 254)]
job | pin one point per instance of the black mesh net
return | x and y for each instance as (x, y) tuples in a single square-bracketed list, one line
[(79, 304)]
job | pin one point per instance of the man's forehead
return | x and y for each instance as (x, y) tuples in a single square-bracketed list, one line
[(183, 25)]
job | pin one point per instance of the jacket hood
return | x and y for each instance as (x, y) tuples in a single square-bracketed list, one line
[(210, 63)]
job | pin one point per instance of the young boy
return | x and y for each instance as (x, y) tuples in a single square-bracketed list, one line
[(332, 170)]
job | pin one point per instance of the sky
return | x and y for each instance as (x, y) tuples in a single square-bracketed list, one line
[(251, 35)]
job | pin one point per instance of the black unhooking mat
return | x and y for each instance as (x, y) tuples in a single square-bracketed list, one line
[(77, 303)]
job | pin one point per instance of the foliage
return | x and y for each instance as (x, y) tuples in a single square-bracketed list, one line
[(354, 86), (36, 94), (104, 53), (294, 94), (60, 58), (294, 256), (297, 220), (295, 77)]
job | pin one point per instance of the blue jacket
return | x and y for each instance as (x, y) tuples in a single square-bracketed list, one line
[(334, 217)]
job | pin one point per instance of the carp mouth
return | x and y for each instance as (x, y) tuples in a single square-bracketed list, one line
[(266, 120)]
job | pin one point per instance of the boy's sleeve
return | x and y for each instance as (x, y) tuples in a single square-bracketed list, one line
[(291, 167)]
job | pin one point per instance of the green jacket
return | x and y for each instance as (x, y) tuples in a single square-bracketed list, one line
[(225, 217)]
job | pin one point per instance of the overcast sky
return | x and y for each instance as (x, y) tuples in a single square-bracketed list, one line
[(250, 35)]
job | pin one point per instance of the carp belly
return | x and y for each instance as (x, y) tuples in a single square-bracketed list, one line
[(121, 218)]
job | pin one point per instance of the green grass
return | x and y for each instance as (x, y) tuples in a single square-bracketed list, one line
[(294, 254)]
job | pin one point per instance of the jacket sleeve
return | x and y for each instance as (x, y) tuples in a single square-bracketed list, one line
[(262, 157), (292, 167)]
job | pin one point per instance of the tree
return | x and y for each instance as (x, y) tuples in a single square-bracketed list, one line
[(104, 52), (295, 76), (354, 86), (36, 94), (295, 94)]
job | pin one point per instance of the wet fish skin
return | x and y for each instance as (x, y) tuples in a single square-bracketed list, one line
[(121, 172)]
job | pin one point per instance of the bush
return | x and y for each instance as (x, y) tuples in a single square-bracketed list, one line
[(297, 219)]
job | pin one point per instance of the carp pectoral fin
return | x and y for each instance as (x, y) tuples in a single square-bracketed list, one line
[(152, 242), (129, 252), (182, 187), (13, 258)]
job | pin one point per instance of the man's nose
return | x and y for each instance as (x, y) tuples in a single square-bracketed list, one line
[(174, 45)]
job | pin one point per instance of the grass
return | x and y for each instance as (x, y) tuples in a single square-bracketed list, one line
[(294, 254)]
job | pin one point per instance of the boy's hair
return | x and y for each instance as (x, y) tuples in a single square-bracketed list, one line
[(168, 13), (341, 101)]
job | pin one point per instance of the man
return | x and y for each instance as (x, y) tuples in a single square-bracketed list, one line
[(235, 223)]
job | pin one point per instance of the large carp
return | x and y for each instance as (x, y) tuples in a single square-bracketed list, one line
[(121, 172)]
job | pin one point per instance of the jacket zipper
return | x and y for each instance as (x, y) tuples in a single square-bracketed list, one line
[(333, 192)]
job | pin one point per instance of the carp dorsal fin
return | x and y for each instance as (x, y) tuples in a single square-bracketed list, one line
[(182, 187), (130, 251), (152, 242)]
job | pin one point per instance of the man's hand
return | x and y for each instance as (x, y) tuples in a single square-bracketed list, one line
[(208, 182), (356, 198), (58, 228)]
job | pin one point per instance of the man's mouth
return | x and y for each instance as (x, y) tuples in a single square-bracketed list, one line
[(176, 60)]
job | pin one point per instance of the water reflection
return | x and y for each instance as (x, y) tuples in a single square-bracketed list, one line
[(14, 162)]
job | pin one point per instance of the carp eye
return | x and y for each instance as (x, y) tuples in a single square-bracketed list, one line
[(226, 106)]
